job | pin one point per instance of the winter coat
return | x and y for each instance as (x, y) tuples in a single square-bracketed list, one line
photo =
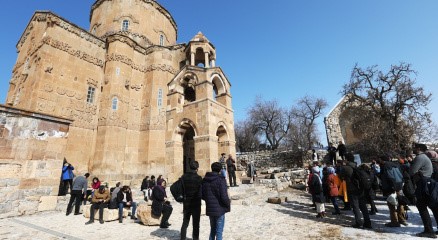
[(315, 187), (67, 172), (333, 183), (192, 188), (144, 184), (95, 185), (158, 196), (105, 196), (214, 192), (346, 175), (120, 196)]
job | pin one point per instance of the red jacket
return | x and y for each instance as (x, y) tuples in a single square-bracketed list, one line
[(333, 182)]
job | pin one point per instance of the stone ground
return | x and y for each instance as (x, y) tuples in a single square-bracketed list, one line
[(251, 217)]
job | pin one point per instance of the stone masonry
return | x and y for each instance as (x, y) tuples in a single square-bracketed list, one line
[(32, 149)]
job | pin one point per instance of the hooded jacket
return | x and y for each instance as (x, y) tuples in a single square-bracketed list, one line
[(192, 188), (214, 192)]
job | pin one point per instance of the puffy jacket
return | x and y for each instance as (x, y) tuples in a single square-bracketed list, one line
[(192, 187), (67, 172), (214, 192), (105, 196), (333, 182)]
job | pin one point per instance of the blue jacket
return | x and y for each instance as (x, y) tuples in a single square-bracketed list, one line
[(214, 192), (67, 172)]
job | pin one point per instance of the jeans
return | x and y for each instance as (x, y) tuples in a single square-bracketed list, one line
[(195, 212), (360, 209), (99, 206), (335, 204), (122, 205), (76, 197), (217, 224)]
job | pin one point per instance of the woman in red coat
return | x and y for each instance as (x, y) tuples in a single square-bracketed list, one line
[(333, 183)]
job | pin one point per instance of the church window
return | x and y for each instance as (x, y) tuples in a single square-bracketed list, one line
[(125, 25), (161, 40), (115, 103), (160, 98), (90, 94), (117, 71)]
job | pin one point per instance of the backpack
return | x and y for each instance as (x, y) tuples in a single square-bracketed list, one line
[(177, 190), (431, 191), (392, 180), (362, 180)]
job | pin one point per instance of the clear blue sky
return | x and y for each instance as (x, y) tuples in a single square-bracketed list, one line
[(282, 49)]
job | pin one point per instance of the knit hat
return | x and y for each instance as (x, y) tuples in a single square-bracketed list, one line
[(432, 154), (315, 169), (331, 170)]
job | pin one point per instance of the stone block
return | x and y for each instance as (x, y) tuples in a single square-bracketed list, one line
[(108, 214), (144, 214), (29, 183), (47, 203), (274, 200)]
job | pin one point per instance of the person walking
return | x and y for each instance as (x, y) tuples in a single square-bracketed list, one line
[(214, 192), (231, 168), (192, 202), (79, 191), (421, 171)]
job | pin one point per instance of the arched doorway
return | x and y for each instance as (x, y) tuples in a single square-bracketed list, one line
[(222, 141), (188, 146)]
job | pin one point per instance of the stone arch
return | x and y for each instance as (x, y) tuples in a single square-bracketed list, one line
[(200, 57), (223, 139), (182, 128), (187, 132), (188, 83), (219, 87)]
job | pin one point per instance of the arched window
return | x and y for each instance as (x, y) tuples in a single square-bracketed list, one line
[(115, 104), (189, 94), (125, 25), (160, 98), (161, 40)]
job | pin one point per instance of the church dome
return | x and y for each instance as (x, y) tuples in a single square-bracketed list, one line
[(146, 21)]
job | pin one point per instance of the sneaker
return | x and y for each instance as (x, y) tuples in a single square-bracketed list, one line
[(391, 224), (133, 218), (120, 220), (164, 226), (426, 234), (67, 213), (89, 222), (101, 221), (404, 223)]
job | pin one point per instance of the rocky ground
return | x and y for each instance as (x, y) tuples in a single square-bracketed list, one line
[(251, 217)]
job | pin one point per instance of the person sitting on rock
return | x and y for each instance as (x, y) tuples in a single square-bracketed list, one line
[(113, 201), (159, 204), (99, 201), (124, 199)]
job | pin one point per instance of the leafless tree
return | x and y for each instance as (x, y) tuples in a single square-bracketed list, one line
[(305, 113), (386, 106), (272, 120), (247, 136)]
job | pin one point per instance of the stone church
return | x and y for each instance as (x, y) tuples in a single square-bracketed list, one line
[(136, 102)]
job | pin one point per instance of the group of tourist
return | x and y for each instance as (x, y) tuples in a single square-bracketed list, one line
[(212, 188), (403, 179)]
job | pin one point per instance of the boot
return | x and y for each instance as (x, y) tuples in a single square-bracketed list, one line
[(89, 222)]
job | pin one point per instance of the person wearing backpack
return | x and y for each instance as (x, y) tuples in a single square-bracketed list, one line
[(355, 193), (368, 181), (192, 203), (421, 171)]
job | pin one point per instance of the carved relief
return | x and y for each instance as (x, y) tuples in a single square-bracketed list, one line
[(92, 82), (154, 67), (52, 20), (76, 53)]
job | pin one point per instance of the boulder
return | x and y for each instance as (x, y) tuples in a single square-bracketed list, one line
[(274, 200), (144, 214), (47, 203), (108, 214)]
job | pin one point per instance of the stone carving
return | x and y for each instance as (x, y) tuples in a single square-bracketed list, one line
[(68, 49), (126, 60), (52, 20), (92, 82)]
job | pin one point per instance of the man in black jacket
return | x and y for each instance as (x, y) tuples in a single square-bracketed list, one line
[(192, 202), (355, 194)]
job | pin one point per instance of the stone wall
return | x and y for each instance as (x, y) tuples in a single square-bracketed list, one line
[(31, 154), (272, 159)]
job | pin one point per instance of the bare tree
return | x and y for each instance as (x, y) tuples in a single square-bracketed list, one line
[(271, 119), (247, 136), (305, 113), (386, 105)]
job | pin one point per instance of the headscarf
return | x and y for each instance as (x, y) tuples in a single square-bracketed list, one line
[(315, 171), (331, 170)]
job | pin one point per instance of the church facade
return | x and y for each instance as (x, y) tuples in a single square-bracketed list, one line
[(139, 102)]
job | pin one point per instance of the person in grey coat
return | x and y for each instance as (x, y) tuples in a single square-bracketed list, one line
[(79, 190)]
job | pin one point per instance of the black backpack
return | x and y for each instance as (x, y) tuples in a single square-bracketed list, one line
[(361, 179), (177, 190)]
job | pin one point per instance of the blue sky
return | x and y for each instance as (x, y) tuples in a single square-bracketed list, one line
[(282, 49)]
